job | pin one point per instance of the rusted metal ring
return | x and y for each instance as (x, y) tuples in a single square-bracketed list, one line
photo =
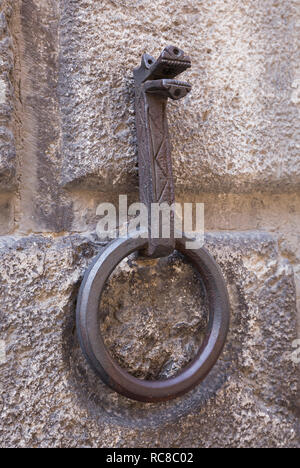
[(92, 343)]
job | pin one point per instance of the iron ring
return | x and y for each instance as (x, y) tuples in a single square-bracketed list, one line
[(92, 343)]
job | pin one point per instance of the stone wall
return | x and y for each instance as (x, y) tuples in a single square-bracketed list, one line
[(68, 142)]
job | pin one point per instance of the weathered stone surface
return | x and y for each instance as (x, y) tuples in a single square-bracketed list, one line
[(51, 398), (44, 205), (155, 310), (67, 128), (6, 214), (7, 142), (238, 130), (277, 214)]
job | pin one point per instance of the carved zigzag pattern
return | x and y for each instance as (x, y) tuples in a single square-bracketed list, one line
[(160, 149), (153, 150), (143, 147)]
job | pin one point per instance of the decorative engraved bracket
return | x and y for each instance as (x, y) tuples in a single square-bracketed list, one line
[(154, 84)]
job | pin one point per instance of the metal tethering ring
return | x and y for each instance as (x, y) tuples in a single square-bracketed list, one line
[(92, 343)]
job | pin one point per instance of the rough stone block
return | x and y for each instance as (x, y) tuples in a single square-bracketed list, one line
[(49, 397), (44, 207), (238, 131), (7, 142)]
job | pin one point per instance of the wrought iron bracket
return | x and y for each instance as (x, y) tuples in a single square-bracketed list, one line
[(154, 84)]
